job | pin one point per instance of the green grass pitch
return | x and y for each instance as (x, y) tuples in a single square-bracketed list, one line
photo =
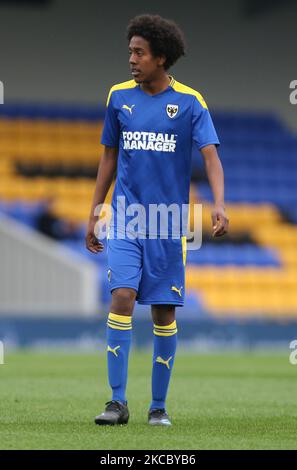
[(216, 401)]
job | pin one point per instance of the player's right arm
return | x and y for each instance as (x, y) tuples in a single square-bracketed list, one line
[(105, 174), (107, 168)]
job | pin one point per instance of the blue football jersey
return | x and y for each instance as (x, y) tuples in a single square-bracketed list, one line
[(155, 135)]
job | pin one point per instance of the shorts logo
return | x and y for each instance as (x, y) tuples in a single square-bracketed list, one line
[(175, 289), (125, 106), (113, 351), (162, 361), (109, 275), (172, 110)]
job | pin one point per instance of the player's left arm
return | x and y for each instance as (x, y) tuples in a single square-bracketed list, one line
[(215, 176)]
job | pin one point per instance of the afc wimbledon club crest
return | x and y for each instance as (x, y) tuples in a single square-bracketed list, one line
[(172, 110)]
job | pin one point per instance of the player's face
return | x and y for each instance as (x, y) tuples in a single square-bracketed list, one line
[(144, 66)]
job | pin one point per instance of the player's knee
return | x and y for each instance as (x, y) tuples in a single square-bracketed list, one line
[(163, 315), (164, 321), (123, 300)]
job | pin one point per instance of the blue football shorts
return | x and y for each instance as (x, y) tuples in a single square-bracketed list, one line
[(154, 268)]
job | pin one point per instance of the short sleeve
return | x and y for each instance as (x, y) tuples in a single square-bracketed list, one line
[(203, 131), (111, 129)]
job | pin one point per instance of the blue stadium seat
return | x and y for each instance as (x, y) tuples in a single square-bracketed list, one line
[(242, 255)]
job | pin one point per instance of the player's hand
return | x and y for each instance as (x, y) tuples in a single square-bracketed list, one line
[(220, 222), (92, 242)]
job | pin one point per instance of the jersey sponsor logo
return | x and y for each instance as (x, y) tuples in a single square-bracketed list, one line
[(175, 289), (125, 106), (113, 351), (172, 110), (155, 141), (162, 361)]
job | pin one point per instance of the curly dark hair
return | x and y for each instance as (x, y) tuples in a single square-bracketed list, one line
[(165, 37)]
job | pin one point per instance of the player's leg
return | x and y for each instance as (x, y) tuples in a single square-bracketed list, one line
[(165, 340), (119, 336), (124, 259), (162, 286)]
